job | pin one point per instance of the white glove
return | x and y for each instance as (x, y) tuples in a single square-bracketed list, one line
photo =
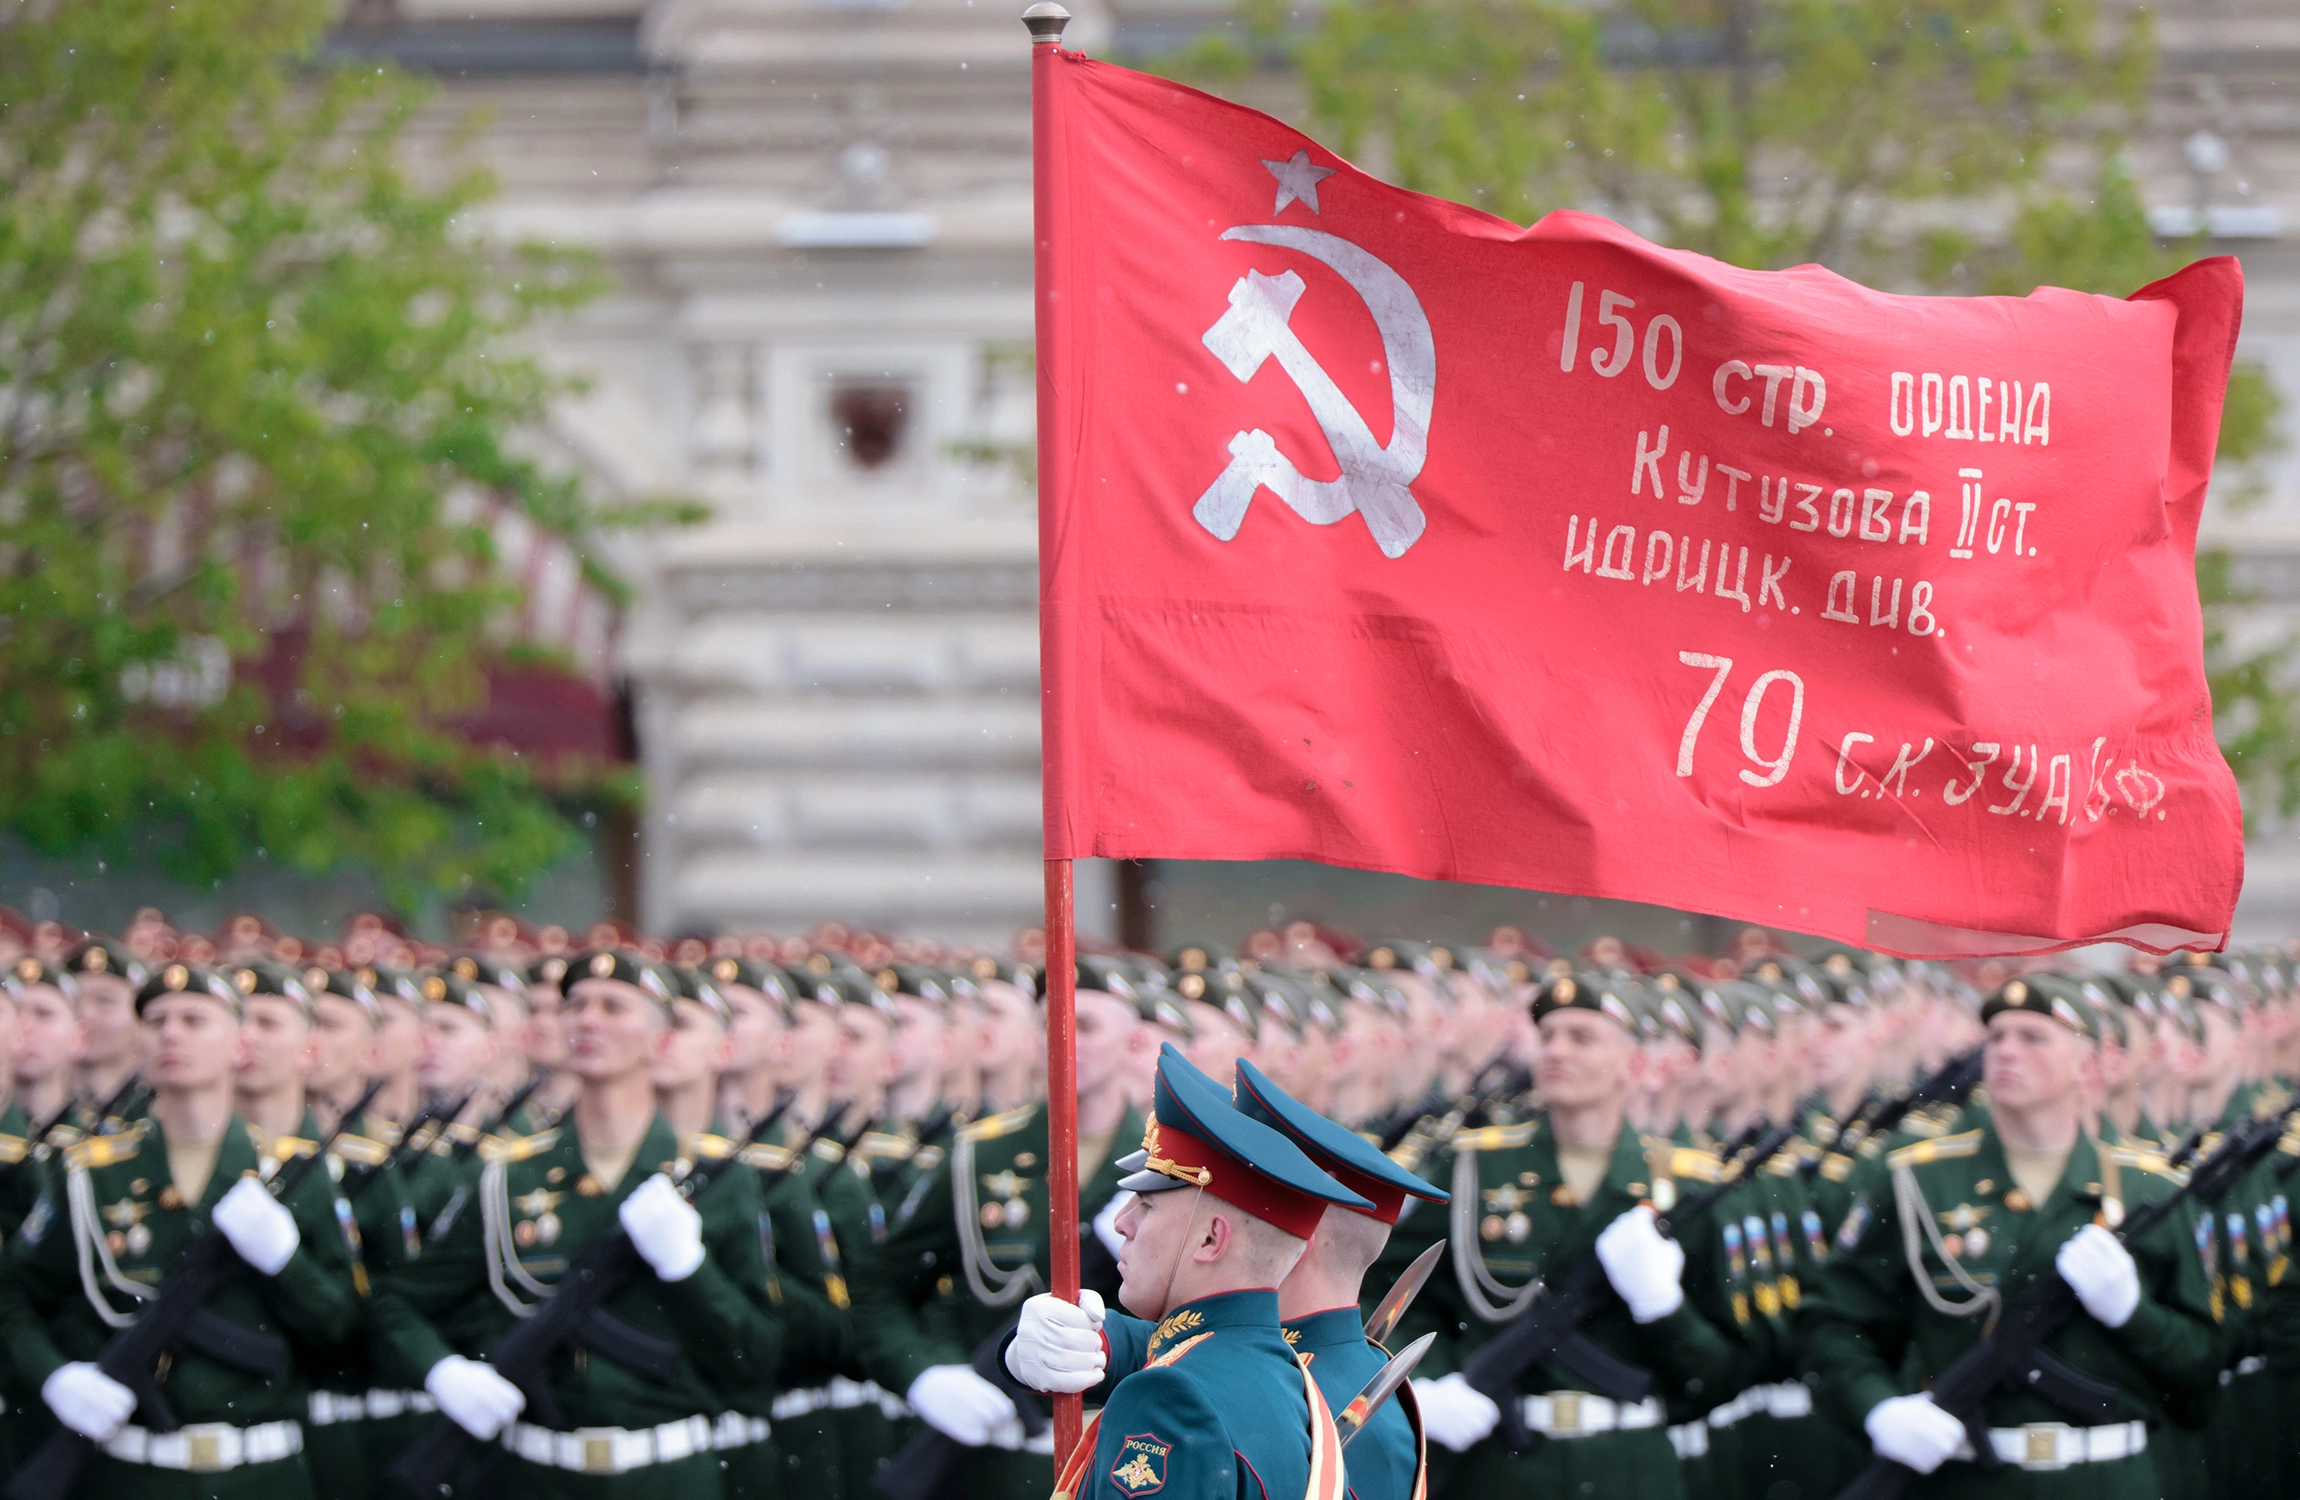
[(258, 1225), (1643, 1265), (664, 1228), (961, 1405), (87, 1400), (1454, 1414), (1910, 1430), (480, 1401), (2101, 1273), (1058, 1346), (1106, 1224)]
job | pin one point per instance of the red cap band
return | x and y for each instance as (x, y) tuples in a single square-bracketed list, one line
[(1295, 1213)]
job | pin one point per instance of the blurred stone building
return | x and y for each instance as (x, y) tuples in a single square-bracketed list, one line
[(817, 213)]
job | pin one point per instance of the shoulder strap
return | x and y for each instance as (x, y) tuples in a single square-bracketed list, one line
[(1328, 1481)]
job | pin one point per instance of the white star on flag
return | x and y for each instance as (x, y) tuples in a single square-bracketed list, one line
[(1297, 179)]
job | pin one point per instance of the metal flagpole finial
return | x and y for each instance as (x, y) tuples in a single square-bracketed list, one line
[(1045, 20)]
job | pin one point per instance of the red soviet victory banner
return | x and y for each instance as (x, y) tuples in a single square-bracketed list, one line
[(1381, 532)]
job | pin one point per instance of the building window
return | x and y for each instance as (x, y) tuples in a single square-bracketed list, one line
[(871, 419)]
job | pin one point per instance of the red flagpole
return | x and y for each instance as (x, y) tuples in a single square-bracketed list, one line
[(1045, 22)]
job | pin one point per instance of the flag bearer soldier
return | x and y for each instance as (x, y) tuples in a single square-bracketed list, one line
[(952, 1276), (106, 978), (1532, 1200), (1059, 1348), (132, 1203), (541, 1201), (1223, 1209), (2002, 1203)]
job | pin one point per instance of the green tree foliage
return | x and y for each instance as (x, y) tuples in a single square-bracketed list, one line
[(1917, 144), (255, 396)]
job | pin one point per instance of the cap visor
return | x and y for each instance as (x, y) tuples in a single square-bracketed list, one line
[(1150, 1182), (1132, 1161)]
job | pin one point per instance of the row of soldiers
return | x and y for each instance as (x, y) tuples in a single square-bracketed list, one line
[(832, 1180)]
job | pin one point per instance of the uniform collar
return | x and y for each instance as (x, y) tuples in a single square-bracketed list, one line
[(1335, 1327), (1222, 1310), (235, 1156)]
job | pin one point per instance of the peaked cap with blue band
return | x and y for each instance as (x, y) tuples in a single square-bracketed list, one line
[(1348, 1157), (1195, 1138)]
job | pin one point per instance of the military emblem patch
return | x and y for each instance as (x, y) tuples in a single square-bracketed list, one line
[(1141, 1465)]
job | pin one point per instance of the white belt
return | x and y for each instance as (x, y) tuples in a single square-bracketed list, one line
[(798, 1403), (1788, 1400), (736, 1429), (2056, 1445), (207, 1447), (331, 1407), (1571, 1414), (610, 1450), (1690, 1439)]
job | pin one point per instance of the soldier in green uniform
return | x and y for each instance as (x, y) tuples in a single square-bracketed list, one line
[(543, 1199), (948, 1279), (1949, 1230), (1066, 1347), (1223, 1208), (106, 979), (131, 1203), (1532, 1199)]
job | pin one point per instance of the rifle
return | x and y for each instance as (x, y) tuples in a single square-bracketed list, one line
[(1550, 1330), (175, 1318), (111, 1108), (407, 1150), (1953, 1083), (927, 1467), (463, 1149), (2014, 1355), (575, 1312)]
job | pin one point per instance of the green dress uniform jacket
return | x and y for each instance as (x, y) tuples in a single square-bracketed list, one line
[(1221, 1413), (1866, 1332), (1385, 1460), (799, 1244), (536, 1207), (950, 1278), (119, 1207), (346, 1451), (1515, 1221)]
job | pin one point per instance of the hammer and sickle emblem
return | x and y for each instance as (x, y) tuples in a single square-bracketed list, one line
[(1374, 478)]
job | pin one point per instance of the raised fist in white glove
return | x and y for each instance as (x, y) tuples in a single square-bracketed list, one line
[(1057, 1345), (477, 1399), (1643, 1264), (664, 1228), (2100, 1271), (258, 1225), (1455, 1414), (1910, 1430), (961, 1405), (87, 1400)]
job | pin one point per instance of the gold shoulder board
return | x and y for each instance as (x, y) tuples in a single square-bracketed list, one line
[(96, 1151), (991, 1127), (1493, 1137), (1945, 1148)]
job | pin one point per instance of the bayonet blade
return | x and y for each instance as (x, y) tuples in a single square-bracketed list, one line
[(1398, 1298), (1353, 1417)]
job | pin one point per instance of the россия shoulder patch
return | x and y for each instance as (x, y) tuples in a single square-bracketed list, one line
[(1141, 1466)]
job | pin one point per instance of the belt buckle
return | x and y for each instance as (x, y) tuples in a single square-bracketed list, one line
[(597, 1446), (204, 1448), (1565, 1411), (2042, 1442)]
